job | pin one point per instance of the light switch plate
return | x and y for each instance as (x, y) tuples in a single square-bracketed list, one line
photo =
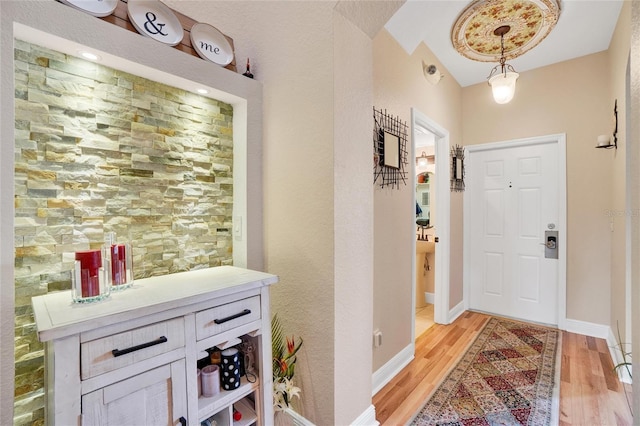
[(237, 227)]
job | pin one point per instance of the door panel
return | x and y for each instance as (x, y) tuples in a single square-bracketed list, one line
[(494, 213), (529, 278), (493, 274)]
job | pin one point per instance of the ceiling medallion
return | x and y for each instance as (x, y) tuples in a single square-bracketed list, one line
[(473, 33)]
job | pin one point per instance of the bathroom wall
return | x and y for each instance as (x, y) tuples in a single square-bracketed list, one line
[(98, 150)]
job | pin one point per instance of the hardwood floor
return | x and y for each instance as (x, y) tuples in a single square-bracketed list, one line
[(590, 393)]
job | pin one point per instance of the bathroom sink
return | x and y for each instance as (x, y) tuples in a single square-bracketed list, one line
[(425, 246)]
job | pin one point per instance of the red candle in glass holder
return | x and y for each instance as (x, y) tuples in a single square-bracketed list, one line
[(90, 264), (118, 264)]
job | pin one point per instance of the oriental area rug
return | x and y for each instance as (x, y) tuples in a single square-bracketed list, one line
[(508, 376)]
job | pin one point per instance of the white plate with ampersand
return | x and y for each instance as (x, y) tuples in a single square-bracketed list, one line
[(154, 19)]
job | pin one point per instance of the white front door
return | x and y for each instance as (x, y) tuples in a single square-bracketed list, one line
[(513, 193)]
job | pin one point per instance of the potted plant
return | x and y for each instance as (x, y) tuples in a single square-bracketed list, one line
[(626, 355), (284, 351)]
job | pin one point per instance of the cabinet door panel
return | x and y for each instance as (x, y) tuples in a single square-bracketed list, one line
[(150, 398)]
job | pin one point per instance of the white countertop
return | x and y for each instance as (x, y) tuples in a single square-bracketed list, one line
[(58, 316)]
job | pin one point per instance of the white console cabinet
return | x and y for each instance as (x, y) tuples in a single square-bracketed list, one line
[(131, 359)]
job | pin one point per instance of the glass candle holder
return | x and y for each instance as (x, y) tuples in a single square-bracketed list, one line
[(89, 281), (210, 380), (120, 257)]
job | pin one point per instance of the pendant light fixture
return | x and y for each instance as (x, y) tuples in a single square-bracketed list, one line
[(520, 24), (502, 78), (423, 160)]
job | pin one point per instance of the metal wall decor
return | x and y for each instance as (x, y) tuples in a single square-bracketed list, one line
[(457, 168), (389, 149)]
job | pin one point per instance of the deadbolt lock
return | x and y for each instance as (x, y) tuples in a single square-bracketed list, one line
[(551, 244)]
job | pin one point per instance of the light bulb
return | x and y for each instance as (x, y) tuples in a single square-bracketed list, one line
[(503, 86)]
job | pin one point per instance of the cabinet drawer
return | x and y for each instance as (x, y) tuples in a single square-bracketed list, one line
[(225, 317), (119, 350)]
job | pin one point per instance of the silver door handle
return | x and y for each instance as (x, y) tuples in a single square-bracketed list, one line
[(549, 244)]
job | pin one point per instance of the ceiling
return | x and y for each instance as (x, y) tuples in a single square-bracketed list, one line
[(584, 27)]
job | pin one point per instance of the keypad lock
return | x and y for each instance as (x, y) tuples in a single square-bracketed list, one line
[(551, 244)]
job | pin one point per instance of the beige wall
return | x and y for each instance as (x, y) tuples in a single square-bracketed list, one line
[(353, 212), (399, 85), (293, 55), (618, 60), (572, 97), (633, 152)]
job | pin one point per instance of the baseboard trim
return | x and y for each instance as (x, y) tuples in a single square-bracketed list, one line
[(587, 328), (602, 332), (367, 418), (429, 298), (297, 419), (388, 371), (456, 312), (624, 374)]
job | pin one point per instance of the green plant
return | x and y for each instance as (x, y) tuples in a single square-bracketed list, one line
[(626, 355), (284, 350)]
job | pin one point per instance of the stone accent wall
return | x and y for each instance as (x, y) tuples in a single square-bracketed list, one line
[(99, 150)]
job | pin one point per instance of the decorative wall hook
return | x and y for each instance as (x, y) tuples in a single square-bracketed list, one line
[(604, 141)]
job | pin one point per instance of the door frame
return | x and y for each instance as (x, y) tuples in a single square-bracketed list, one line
[(560, 140), (443, 212)]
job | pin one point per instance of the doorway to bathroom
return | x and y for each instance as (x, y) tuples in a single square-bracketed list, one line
[(430, 178)]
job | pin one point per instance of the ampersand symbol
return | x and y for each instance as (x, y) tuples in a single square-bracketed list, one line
[(156, 28)]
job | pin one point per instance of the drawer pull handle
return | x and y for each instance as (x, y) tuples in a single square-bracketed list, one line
[(232, 317), (183, 421), (120, 352)]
